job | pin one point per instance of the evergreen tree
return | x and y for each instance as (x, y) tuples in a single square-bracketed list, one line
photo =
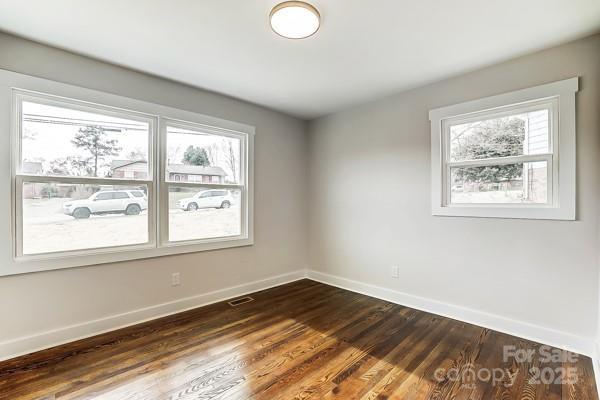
[(502, 137), (94, 140), (196, 156)]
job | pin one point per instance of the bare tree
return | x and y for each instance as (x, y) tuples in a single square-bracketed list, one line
[(230, 158), (76, 166), (29, 133), (172, 153), (212, 152), (137, 154)]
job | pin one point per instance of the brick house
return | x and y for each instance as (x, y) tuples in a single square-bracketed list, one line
[(127, 169)]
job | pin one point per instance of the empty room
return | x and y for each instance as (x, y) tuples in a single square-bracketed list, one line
[(320, 199)]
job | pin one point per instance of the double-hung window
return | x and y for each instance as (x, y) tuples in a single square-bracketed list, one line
[(100, 178), (511, 155)]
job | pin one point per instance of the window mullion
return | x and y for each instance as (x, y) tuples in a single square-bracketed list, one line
[(78, 180), (204, 185), (163, 186), (500, 160)]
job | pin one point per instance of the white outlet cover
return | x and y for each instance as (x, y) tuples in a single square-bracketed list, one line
[(395, 271)]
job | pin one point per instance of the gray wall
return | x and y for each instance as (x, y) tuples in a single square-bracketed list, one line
[(33, 303), (370, 204)]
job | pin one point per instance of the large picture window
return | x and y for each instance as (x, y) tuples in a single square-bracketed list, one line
[(100, 178), (499, 156)]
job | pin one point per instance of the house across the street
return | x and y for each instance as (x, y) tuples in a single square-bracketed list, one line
[(127, 169)]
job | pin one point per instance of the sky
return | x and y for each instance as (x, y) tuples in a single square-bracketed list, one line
[(48, 131)]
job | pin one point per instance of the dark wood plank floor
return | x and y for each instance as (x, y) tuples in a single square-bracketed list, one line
[(304, 340)]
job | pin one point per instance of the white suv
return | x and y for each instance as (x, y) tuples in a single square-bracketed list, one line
[(130, 202), (213, 198)]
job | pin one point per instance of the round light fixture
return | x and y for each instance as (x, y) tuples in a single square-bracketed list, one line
[(295, 19)]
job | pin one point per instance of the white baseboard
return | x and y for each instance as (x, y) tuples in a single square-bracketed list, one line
[(28, 344), (43, 340), (525, 330)]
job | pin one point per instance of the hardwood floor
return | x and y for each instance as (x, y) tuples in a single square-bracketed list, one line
[(304, 340)]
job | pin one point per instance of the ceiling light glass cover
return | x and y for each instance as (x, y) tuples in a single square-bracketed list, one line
[(295, 19)]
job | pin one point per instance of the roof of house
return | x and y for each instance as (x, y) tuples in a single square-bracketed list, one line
[(195, 170), (121, 163), (176, 168)]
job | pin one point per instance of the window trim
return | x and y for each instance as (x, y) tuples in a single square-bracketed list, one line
[(12, 264), (559, 98), (18, 96)]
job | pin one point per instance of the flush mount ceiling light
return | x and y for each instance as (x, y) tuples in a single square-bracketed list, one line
[(295, 19)]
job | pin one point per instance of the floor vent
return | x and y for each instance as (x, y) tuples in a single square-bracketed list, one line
[(241, 300)]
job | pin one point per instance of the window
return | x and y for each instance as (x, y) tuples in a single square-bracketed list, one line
[(503, 158), (197, 211), (499, 156), (103, 196), (120, 195), (101, 178), (63, 203)]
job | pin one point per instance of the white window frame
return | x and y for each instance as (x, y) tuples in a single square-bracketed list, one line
[(18, 97), (14, 86), (559, 99), (165, 183)]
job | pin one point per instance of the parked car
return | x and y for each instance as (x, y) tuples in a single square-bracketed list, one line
[(212, 198), (129, 202)]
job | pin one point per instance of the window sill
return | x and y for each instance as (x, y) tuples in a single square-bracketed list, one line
[(516, 212), (29, 264)]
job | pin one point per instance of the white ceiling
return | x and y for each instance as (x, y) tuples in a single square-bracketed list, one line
[(365, 49)]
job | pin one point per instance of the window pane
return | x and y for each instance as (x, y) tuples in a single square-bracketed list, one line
[(196, 156), (509, 183), (197, 214), (514, 135), (67, 142), (62, 217), (120, 195), (103, 196)]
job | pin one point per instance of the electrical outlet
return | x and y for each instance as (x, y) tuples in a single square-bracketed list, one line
[(175, 279), (395, 271)]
